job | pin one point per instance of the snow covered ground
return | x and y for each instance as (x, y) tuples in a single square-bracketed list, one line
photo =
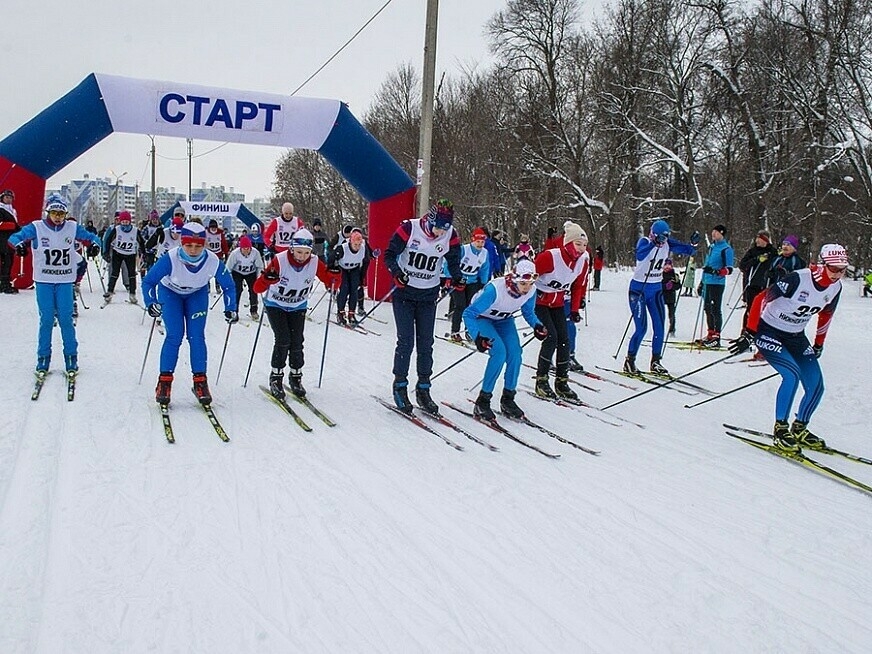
[(376, 537)]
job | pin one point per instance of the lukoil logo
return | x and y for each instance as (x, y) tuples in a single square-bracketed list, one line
[(232, 114)]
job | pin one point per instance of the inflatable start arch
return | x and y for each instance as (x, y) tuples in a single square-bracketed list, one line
[(103, 104)]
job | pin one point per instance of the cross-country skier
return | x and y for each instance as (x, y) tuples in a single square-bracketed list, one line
[(490, 322), (8, 226), (776, 326), (414, 258), (475, 266), (54, 274), (166, 238), (561, 269), (646, 292), (287, 281), (177, 289), (148, 231), (120, 246), (350, 258), (245, 264), (278, 234)]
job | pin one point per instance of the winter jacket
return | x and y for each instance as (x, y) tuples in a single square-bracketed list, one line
[(755, 264)]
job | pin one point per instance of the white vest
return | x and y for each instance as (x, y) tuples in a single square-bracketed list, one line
[(792, 314), (351, 259), (124, 242), (213, 242), (650, 269), (422, 258), (504, 305), (561, 278), (285, 230), (53, 259), (292, 289), (182, 280), (168, 243), (471, 262), (241, 264)]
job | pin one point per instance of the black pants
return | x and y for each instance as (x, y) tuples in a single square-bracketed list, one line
[(238, 278), (597, 275), (670, 311), (714, 294), (554, 320), (7, 254), (287, 328), (349, 289), (459, 301), (129, 263), (415, 318)]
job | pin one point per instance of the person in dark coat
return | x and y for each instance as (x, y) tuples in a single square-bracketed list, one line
[(755, 268)]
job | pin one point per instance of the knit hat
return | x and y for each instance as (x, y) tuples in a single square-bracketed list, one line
[(572, 232), (833, 254), (179, 211), (124, 216), (524, 269), (478, 234), (764, 235), (193, 233), (302, 238), (316, 222), (441, 214), (213, 223), (56, 202), (244, 242), (721, 228), (153, 214), (792, 240)]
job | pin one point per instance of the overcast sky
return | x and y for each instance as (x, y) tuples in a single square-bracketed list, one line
[(47, 48)]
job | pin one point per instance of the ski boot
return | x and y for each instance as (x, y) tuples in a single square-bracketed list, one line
[(630, 366), (275, 384), (561, 387), (164, 388), (361, 312), (783, 438), (201, 389), (42, 364), (72, 363), (712, 340), (456, 337), (132, 298), (399, 391), (805, 438), (482, 408), (107, 297), (340, 318), (422, 397), (255, 315), (657, 368), (508, 406), (574, 365), (543, 389), (352, 319), (295, 381)]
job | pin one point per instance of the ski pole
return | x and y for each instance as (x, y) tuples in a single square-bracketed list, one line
[(459, 361), (366, 315), (666, 383), (312, 310), (326, 328), (147, 348), (738, 388), (630, 321), (223, 352), (254, 347), (88, 275), (220, 295)]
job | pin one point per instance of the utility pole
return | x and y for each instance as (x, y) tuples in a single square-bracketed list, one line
[(427, 98)]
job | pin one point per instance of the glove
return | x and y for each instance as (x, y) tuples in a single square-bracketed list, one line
[(483, 343), (699, 289), (271, 275), (21, 250), (458, 284), (93, 250), (763, 257), (723, 272), (741, 344), (575, 316), (540, 331), (660, 239), (231, 317), (668, 286), (401, 279), (338, 251), (709, 270), (694, 238), (818, 350), (583, 303), (155, 310)]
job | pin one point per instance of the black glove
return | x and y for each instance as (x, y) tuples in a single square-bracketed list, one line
[(458, 283), (271, 275), (231, 317), (401, 279), (575, 316), (483, 343), (338, 251), (583, 303), (540, 331), (741, 344), (694, 239), (818, 350), (155, 310), (660, 239), (21, 250), (710, 270), (94, 250)]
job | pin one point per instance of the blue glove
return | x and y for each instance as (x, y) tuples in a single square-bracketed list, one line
[(694, 239), (155, 310)]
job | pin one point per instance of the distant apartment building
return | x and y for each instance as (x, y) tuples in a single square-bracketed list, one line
[(97, 199), (164, 198)]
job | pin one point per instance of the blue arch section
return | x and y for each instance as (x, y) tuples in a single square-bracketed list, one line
[(362, 160), (60, 133)]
